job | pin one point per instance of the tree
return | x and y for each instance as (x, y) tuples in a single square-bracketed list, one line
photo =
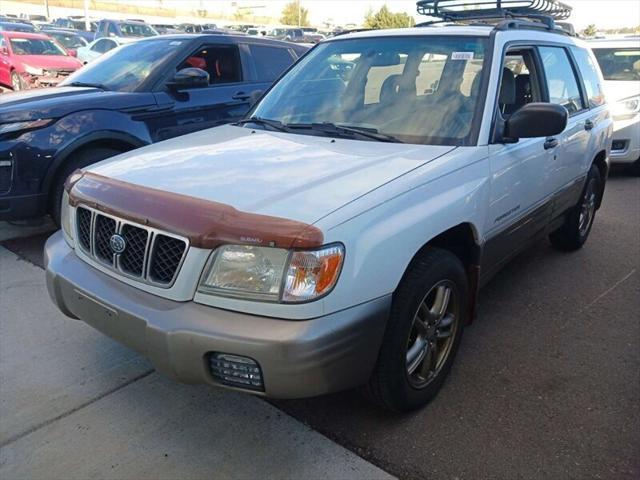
[(294, 14), (590, 31), (384, 18)]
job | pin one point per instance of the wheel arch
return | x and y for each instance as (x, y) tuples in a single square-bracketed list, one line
[(463, 241), (116, 140), (600, 161)]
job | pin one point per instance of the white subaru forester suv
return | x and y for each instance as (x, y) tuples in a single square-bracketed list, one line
[(339, 235)]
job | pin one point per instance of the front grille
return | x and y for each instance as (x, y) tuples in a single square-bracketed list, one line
[(149, 255), (6, 167), (132, 259), (166, 256)]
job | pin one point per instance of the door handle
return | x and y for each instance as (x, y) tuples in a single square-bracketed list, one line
[(240, 96), (550, 143), (588, 125)]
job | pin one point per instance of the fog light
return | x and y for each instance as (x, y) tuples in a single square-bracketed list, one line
[(619, 145), (236, 371)]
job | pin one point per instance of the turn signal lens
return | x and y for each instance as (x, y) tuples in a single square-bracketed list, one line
[(311, 275)]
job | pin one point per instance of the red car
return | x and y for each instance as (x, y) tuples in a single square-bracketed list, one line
[(31, 60)]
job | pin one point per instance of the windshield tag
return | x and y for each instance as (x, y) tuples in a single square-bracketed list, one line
[(462, 56), (175, 42)]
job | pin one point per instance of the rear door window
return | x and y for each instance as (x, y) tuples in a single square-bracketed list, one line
[(561, 80), (590, 77), (270, 62)]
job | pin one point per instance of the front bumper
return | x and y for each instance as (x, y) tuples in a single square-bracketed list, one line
[(298, 358), (20, 207), (626, 140)]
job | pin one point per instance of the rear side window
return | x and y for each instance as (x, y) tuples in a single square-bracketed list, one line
[(590, 77), (561, 80), (270, 62)]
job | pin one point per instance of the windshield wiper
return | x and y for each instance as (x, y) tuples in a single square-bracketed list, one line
[(347, 130), (87, 84), (275, 124)]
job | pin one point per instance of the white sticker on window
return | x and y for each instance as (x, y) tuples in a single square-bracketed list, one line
[(462, 56)]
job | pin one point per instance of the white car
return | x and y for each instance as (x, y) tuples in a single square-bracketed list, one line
[(339, 235), (619, 61), (99, 47)]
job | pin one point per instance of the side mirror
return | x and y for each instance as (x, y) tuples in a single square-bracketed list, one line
[(190, 78), (255, 96), (536, 120), (72, 52)]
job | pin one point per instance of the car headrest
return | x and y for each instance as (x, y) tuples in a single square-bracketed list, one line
[(390, 88), (523, 84), (507, 88)]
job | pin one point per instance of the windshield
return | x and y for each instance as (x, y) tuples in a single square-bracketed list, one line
[(137, 30), (68, 40), (619, 63), (125, 68), (420, 90), (35, 46)]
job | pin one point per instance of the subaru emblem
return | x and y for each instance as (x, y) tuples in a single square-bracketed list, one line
[(117, 243)]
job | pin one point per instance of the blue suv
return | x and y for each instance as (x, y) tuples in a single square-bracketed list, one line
[(141, 93)]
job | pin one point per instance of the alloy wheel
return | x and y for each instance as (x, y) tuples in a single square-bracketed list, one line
[(432, 333), (587, 208)]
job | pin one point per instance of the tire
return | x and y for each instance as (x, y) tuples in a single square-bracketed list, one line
[(407, 374), (80, 159), (16, 82), (574, 232), (635, 168)]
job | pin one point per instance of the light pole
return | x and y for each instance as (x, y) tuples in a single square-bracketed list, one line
[(46, 8), (299, 14), (87, 23)]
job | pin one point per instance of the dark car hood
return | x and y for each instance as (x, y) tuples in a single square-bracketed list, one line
[(57, 102)]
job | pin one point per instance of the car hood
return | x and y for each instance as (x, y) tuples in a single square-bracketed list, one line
[(298, 177), (51, 62), (56, 102), (619, 90)]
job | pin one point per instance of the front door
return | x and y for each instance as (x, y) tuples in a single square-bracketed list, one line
[(522, 173), (225, 99)]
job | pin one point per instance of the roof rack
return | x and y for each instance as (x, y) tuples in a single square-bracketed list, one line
[(499, 13)]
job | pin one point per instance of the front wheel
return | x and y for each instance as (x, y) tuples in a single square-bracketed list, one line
[(577, 226), (423, 332), (16, 82)]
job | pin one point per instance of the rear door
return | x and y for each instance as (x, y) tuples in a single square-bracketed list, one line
[(564, 88), (223, 101)]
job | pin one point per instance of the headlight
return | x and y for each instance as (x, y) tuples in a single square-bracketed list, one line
[(65, 218), (272, 274), (33, 70), (19, 126), (626, 108)]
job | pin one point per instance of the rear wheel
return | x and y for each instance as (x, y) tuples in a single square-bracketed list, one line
[(577, 226), (16, 81), (79, 160), (423, 332)]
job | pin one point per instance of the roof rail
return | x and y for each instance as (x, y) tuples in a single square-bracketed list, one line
[(355, 30), (502, 14)]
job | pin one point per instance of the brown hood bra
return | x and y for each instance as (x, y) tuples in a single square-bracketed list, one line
[(205, 223)]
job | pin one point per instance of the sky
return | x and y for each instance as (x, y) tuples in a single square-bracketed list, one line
[(604, 13)]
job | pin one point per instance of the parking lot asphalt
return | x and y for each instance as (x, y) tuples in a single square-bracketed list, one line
[(546, 383)]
